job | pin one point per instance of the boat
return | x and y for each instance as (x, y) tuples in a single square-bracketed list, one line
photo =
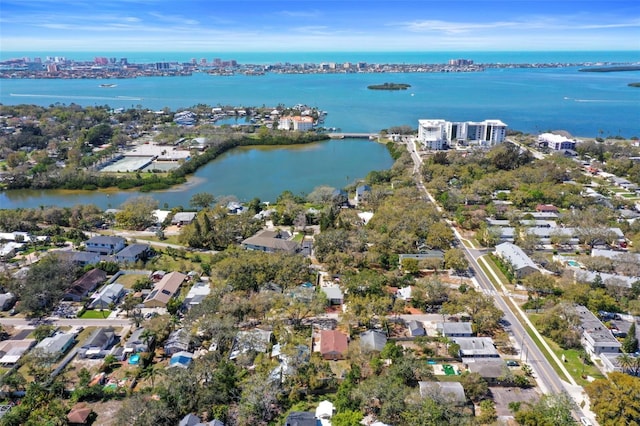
[(108, 85)]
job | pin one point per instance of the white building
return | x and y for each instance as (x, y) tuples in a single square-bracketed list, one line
[(556, 142), (439, 134)]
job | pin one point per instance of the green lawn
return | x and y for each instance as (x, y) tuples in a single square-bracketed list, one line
[(574, 364), (94, 314)]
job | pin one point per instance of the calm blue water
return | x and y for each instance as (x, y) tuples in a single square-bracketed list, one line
[(530, 100), (248, 172)]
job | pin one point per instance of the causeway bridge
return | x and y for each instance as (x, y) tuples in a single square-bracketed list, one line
[(353, 135)]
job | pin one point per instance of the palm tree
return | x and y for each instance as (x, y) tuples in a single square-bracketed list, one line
[(148, 337), (625, 361)]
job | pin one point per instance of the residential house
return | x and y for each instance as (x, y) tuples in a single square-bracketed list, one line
[(490, 369), (476, 347), (334, 294), (9, 250), (521, 264), (87, 283), (450, 391), (271, 241), (301, 418), (193, 420), (611, 362), (97, 344), (164, 290), (372, 341), (137, 342), (80, 258), (196, 294), (12, 350), (596, 337), (104, 244), (615, 280), (324, 411), (362, 193), (333, 344), (416, 329), (79, 415), (177, 341), (183, 218), (132, 253), (7, 301), (455, 329), (252, 340), (546, 208), (109, 294), (57, 344)]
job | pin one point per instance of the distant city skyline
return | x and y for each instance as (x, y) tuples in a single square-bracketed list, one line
[(331, 25)]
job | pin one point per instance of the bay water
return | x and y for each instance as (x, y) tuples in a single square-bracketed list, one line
[(531, 100)]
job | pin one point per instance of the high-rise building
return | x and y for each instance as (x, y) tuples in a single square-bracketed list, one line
[(439, 134)]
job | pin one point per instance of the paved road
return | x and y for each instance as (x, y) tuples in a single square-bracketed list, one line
[(546, 376), (75, 322)]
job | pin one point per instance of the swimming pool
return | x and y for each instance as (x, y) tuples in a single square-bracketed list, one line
[(134, 359)]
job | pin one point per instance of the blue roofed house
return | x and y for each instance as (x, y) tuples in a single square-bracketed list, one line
[(362, 192), (181, 359), (132, 253), (105, 244)]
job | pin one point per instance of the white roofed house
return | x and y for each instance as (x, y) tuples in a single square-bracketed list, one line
[(476, 347), (111, 293), (521, 264), (56, 345), (105, 244), (596, 337)]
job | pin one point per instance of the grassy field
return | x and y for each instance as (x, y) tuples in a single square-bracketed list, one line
[(128, 280), (93, 314), (574, 364)]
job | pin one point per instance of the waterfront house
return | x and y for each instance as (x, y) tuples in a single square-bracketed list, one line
[(105, 244), (183, 218), (270, 242), (362, 193), (109, 294), (333, 345), (132, 253), (164, 290), (451, 391), (520, 263), (87, 283)]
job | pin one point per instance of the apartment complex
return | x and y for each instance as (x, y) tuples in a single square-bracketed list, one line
[(437, 134)]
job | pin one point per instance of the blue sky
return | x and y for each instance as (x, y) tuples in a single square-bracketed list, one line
[(318, 25)]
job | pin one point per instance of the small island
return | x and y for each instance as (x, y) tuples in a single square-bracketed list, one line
[(634, 84), (389, 86)]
